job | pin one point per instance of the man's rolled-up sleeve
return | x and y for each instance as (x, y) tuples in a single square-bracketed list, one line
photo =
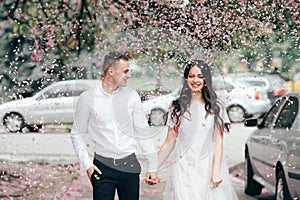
[(144, 137), (81, 117)]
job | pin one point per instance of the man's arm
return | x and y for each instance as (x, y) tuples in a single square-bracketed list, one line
[(79, 127), (145, 141)]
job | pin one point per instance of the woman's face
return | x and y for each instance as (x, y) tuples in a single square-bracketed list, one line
[(195, 79)]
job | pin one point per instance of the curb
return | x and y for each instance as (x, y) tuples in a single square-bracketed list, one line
[(235, 167)]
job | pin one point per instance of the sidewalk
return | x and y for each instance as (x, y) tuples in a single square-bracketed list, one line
[(80, 189)]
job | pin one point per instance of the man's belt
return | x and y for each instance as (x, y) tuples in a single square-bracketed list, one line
[(127, 164)]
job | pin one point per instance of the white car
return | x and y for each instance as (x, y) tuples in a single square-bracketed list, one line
[(54, 104), (272, 151), (273, 85), (156, 108), (240, 99)]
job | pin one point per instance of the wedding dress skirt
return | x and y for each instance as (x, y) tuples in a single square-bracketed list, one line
[(192, 159)]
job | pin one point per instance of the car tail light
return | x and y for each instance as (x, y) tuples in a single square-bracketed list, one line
[(256, 95), (279, 92)]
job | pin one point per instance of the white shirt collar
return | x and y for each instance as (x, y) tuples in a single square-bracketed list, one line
[(99, 91)]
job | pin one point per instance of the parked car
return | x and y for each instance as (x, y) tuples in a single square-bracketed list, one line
[(156, 107), (241, 99), (272, 151), (52, 105), (273, 84), (294, 84)]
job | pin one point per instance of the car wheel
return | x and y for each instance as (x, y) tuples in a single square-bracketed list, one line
[(282, 192), (13, 122), (157, 117), (252, 187), (236, 113)]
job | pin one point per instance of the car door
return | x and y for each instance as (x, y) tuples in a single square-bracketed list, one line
[(73, 93), (50, 105), (294, 156), (258, 140), (280, 139)]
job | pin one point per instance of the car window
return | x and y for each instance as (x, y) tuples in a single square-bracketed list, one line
[(256, 83), (228, 86), (276, 81), (288, 114), (273, 112), (77, 89), (221, 85), (56, 92), (297, 77), (218, 85)]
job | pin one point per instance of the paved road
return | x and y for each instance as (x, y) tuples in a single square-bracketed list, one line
[(55, 146)]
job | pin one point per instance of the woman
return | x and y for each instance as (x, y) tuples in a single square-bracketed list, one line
[(196, 125)]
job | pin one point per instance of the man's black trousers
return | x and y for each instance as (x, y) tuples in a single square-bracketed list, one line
[(116, 176)]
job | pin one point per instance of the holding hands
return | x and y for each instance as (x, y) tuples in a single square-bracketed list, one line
[(152, 178)]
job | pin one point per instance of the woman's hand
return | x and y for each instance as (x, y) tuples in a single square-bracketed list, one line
[(216, 180), (152, 178)]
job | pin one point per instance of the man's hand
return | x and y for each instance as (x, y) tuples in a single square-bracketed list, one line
[(152, 178), (91, 169)]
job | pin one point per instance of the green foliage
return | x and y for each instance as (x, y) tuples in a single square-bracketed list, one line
[(46, 40)]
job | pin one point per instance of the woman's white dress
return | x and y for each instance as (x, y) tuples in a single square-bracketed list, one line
[(191, 161)]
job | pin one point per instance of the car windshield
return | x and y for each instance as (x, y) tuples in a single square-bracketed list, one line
[(276, 81), (296, 77), (256, 83)]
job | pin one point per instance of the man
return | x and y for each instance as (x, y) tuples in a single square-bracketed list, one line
[(113, 116)]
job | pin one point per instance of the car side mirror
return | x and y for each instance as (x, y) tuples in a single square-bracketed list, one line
[(250, 122)]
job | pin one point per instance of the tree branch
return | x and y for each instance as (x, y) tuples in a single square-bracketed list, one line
[(80, 22), (88, 12), (43, 9), (11, 12)]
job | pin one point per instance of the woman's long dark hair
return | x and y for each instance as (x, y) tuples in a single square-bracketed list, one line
[(212, 106)]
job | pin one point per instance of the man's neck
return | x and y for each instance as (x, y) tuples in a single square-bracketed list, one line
[(108, 85)]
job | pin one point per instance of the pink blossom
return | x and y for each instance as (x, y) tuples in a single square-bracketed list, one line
[(98, 63), (123, 46), (51, 28), (244, 61), (36, 55), (49, 43)]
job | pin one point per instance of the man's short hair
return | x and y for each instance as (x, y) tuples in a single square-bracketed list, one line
[(112, 57)]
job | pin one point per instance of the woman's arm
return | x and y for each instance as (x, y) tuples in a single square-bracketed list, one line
[(216, 177), (167, 147)]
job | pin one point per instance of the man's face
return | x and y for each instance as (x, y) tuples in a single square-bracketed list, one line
[(121, 72)]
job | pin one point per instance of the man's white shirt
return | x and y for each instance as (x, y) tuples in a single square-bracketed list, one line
[(116, 124)]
